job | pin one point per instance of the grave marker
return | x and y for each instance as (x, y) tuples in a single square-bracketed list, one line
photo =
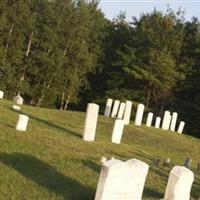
[(108, 107), (139, 114), (22, 123)]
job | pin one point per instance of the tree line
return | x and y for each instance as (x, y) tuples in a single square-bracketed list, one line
[(65, 53)]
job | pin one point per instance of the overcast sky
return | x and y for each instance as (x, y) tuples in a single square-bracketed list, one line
[(134, 8)]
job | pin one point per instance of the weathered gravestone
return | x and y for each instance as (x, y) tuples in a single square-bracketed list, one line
[(157, 124), (115, 108), (22, 123), (149, 119), (14, 107), (181, 127), (1, 94), (121, 110), (179, 184), (18, 100), (108, 107), (166, 120), (173, 121), (91, 122), (127, 112), (139, 114), (117, 131), (122, 180), (188, 163)]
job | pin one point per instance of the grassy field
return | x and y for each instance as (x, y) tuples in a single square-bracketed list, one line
[(51, 161)]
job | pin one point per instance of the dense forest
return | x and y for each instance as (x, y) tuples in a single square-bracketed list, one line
[(65, 53)]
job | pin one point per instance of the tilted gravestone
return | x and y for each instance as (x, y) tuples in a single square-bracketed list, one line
[(157, 124), (122, 180), (173, 121), (108, 107), (22, 123), (1, 94), (139, 115), (115, 108), (166, 120), (179, 184), (121, 110), (127, 112), (149, 119), (181, 127), (117, 131), (91, 122)]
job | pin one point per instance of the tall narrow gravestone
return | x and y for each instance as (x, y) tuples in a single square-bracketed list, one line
[(127, 112), (179, 184), (91, 122), (166, 120), (115, 108), (122, 180), (173, 121), (22, 123), (139, 114), (181, 127), (1, 94), (117, 131), (108, 107), (157, 124), (18, 100), (149, 119), (121, 110)]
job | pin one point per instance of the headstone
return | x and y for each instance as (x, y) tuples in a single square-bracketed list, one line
[(179, 184), (122, 180), (18, 100), (173, 121), (139, 114), (166, 120), (149, 119), (108, 107), (91, 122), (22, 123), (117, 131), (1, 94), (188, 163), (121, 110), (14, 107), (157, 124), (181, 127), (169, 118), (115, 108), (166, 162), (127, 112)]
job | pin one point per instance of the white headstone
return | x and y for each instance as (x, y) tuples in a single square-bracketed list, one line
[(18, 100), (108, 107), (149, 119), (157, 124), (14, 107), (1, 94), (173, 121), (122, 180), (127, 112), (166, 122), (117, 131), (181, 127), (115, 108), (179, 184), (91, 122), (22, 123), (139, 115), (121, 110)]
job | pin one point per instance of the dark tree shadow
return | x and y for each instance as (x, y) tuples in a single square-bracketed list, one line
[(92, 165), (151, 193), (50, 124), (47, 176)]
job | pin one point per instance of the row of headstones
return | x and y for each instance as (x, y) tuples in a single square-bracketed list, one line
[(117, 110), (126, 180), (22, 122)]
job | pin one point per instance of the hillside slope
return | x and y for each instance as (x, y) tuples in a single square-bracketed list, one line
[(51, 161)]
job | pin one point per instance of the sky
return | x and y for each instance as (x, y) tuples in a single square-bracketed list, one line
[(135, 7)]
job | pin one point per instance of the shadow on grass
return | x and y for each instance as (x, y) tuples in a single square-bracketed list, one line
[(151, 193), (92, 165), (47, 176), (50, 124), (8, 125)]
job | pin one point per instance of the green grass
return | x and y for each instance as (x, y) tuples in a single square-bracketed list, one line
[(51, 161)]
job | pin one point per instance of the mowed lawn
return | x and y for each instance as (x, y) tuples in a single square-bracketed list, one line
[(51, 161)]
